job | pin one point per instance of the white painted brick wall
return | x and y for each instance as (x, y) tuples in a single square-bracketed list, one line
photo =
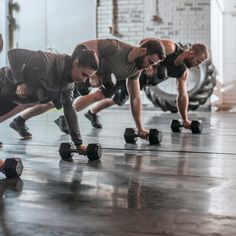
[(212, 22), (182, 20), (185, 21), (129, 19)]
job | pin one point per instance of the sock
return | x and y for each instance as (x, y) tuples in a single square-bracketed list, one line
[(20, 120)]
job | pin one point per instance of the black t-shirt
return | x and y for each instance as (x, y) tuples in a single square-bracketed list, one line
[(172, 69)]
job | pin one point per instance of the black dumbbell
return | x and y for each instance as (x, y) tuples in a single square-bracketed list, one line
[(154, 136), (196, 126), (93, 151), (12, 167)]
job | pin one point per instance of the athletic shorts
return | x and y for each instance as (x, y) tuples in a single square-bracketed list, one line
[(108, 93)]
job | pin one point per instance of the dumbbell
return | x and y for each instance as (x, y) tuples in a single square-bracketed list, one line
[(108, 80), (196, 126), (154, 136), (93, 151), (12, 167)]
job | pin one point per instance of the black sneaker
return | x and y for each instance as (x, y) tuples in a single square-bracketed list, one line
[(21, 129), (61, 122), (94, 119)]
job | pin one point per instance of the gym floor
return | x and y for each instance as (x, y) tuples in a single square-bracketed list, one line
[(185, 186)]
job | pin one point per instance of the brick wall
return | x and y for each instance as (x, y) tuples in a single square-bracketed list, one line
[(181, 20), (185, 21)]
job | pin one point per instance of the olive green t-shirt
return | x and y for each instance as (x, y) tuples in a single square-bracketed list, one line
[(113, 58)]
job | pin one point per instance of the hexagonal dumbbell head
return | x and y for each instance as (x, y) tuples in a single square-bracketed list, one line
[(176, 126), (130, 136), (196, 127), (13, 168), (155, 136), (65, 151), (94, 151)]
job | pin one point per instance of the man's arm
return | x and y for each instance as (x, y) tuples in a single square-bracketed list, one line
[(183, 99), (71, 117), (136, 104)]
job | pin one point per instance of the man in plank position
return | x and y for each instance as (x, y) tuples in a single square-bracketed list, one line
[(176, 65)]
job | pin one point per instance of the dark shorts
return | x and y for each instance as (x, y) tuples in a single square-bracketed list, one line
[(6, 105), (108, 93), (118, 93)]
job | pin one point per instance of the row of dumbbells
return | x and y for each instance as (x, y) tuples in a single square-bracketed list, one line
[(155, 135), (94, 150), (13, 167)]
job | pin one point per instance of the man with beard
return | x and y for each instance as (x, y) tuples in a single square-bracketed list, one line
[(125, 62), (177, 63)]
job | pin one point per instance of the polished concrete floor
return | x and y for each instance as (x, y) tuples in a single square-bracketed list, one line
[(185, 186)]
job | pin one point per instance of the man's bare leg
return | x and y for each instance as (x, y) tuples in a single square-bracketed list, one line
[(36, 110), (105, 103), (82, 102), (14, 111)]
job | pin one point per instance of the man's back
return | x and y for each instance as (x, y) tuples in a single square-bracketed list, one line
[(113, 57)]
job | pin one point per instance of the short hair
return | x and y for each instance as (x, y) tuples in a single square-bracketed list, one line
[(87, 58), (199, 48), (154, 47)]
